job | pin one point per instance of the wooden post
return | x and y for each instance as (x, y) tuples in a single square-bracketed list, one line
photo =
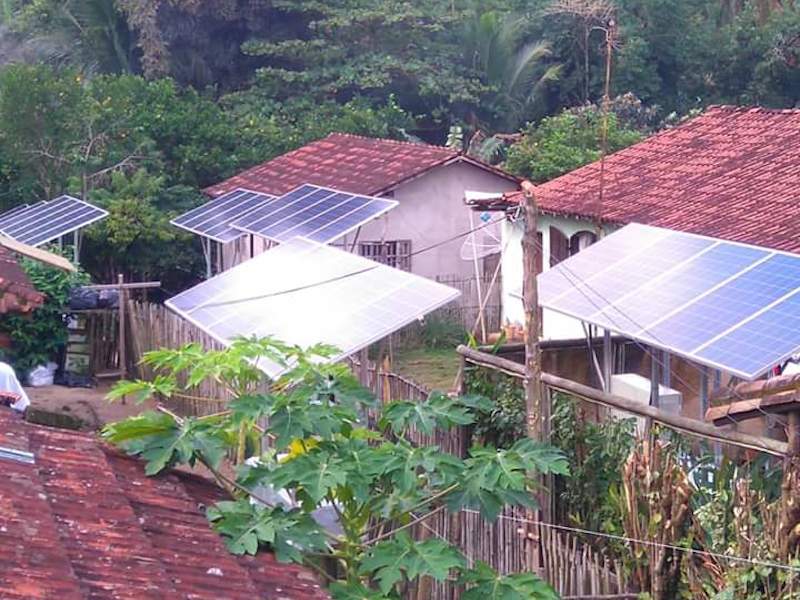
[(793, 434), (123, 370), (536, 413)]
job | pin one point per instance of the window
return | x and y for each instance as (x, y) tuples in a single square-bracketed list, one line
[(395, 253), (562, 247)]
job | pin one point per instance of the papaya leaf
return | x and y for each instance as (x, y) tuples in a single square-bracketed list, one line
[(402, 558), (485, 584)]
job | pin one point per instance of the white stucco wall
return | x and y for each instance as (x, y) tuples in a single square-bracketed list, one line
[(431, 209), (555, 326)]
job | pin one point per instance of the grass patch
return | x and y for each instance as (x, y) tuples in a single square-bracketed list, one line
[(435, 368)]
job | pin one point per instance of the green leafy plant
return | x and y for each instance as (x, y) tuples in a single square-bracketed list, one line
[(376, 483), (39, 337)]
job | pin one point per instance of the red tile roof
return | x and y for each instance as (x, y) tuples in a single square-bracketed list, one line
[(731, 173), (350, 163), (17, 293), (84, 522)]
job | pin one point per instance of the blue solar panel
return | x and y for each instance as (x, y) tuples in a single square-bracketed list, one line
[(213, 219), (49, 220), (313, 212), (678, 286), (624, 276), (727, 305)]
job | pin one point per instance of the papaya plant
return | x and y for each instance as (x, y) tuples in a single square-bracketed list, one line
[(320, 457)]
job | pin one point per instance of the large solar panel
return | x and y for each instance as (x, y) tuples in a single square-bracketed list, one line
[(213, 219), (304, 293), (316, 213), (727, 305), (48, 220)]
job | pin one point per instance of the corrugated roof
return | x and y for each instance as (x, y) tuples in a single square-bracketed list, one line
[(347, 162), (84, 521), (731, 173)]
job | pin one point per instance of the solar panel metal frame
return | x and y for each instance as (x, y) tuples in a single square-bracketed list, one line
[(274, 254), (31, 227), (389, 205), (268, 198), (640, 335)]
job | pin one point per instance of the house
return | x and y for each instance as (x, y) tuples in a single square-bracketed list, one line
[(731, 173), (429, 182), (79, 520)]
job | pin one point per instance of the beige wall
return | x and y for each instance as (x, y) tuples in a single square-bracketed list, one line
[(432, 209)]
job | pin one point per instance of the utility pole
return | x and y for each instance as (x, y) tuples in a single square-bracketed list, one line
[(536, 407)]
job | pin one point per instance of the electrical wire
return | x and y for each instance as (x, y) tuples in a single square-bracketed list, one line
[(630, 540), (652, 355), (347, 275)]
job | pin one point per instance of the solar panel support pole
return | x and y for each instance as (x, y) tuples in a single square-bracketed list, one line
[(206, 244), (608, 360), (666, 374)]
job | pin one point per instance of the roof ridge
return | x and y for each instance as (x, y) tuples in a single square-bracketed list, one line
[(390, 141), (748, 108)]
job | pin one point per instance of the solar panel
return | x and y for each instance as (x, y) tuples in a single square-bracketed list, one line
[(49, 220), (7, 216), (724, 304), (303, 293), (316, 213), (213, 219)]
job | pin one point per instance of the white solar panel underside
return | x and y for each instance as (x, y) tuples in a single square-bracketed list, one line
[(727, 305), (213, 219), (304, 293), (49, 220)]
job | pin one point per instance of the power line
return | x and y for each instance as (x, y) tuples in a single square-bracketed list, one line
[(601, 309), (630, 540), (346, 275)]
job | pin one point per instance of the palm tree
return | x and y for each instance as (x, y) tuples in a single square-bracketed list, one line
[(90, 34), (514, 68)]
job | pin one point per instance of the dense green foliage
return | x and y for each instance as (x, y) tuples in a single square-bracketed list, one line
[(39, 337), (596, 452), (139, 104), (564, 142), (377, 482)]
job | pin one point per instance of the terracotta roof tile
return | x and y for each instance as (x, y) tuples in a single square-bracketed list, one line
[(17, 293), (731, 173), (84, 522), (347, 162)]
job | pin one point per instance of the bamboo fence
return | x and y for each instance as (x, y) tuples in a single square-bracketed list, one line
[(571, 566)]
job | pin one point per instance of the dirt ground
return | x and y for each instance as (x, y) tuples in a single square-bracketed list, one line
[(87, 404)]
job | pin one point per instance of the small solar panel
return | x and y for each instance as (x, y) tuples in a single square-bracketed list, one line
[(49, 220), (312, 212), (213, 219), (728, 305), (303, 293)]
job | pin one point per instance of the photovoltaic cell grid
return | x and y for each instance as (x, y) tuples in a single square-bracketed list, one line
[(304, 293), (312, 212), (213, 219), (727, 305), (49, 220)]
